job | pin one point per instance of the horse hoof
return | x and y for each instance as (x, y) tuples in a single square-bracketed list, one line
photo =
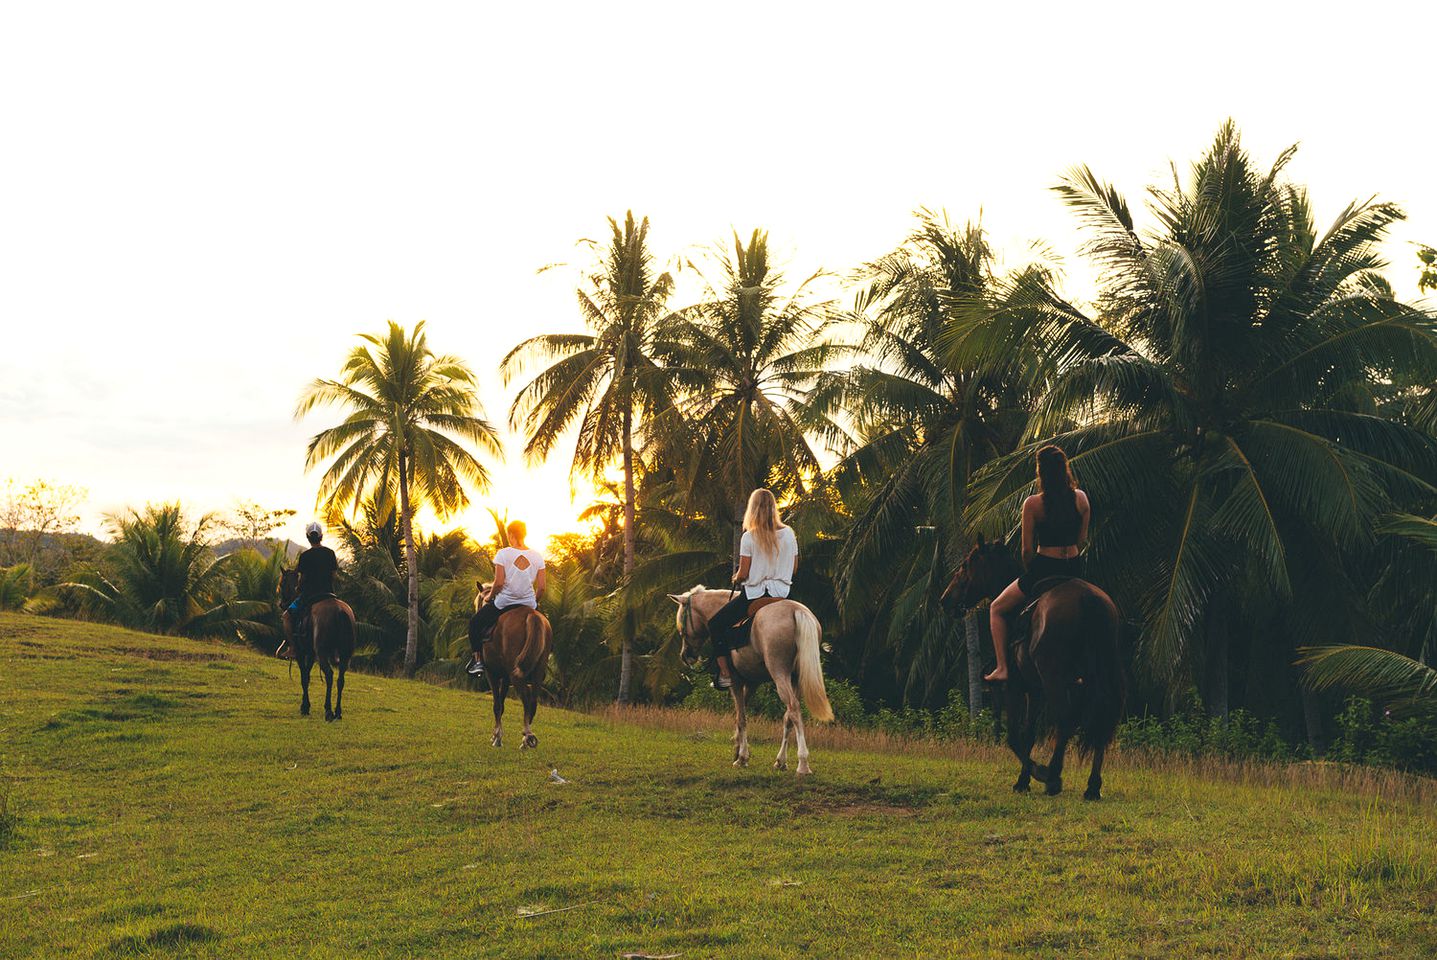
[(740, 761), (496, 742), (530, 742), (1021, 787), (1055, 787), (803, 772), (1092, 794), (780, 765), (304, 710)]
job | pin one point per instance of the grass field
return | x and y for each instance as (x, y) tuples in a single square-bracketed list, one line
[(170, 802)]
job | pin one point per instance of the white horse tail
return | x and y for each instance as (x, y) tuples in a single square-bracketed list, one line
[(810, 671)]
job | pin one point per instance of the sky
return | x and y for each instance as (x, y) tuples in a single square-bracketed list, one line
[(201, 205)]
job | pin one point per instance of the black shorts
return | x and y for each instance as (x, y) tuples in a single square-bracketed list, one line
[(1044, 567)]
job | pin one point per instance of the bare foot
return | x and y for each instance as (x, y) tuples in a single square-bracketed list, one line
[(999, 673)]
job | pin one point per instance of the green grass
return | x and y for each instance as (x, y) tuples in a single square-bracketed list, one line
[(168, 801)]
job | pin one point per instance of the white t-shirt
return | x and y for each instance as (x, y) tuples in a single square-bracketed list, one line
[(518, 586), (772, 575)]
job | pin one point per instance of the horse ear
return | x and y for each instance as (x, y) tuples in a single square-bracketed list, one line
[(676, 597)]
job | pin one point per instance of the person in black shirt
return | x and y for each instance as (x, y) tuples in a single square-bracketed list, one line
[(317, 567)]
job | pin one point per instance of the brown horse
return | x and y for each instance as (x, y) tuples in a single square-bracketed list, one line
[(1070, 662), (784, 644), (328, 641), (516, 654)]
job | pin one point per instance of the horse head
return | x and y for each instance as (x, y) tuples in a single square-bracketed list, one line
[(692, 628), (988, 568), (288, 586), (482, 591)]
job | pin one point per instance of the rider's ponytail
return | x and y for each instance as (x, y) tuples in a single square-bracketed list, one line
[(1056, 483)]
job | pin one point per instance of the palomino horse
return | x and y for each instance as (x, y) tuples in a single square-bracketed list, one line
[(784, 641), (1070, 662), (329, 641), (516, 654)]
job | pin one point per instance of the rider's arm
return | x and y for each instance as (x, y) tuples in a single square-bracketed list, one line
[(742, 573), (1030, 510), (497, 585), (540, 582), (1085, 513)]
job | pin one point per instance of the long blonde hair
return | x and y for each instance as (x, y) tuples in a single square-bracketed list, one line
[(762, 520)]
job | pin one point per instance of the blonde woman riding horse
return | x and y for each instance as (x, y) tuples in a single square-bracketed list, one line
[(784, 635)]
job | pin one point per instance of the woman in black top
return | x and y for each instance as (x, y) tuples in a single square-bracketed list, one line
[(1055, 525)]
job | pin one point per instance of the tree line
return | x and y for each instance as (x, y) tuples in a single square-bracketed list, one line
[(1246, 400)]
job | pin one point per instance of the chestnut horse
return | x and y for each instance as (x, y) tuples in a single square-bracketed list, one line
[(1070, 662), (784, 642), (328, 641), (516, 654)]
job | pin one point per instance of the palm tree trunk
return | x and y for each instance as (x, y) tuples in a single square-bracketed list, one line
[(411, 639), (626, 661), (973, 631)]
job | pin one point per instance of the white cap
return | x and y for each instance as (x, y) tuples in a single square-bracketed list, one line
[(313, 528)]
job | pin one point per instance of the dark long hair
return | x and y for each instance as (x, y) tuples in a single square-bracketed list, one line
[(1056, 483)]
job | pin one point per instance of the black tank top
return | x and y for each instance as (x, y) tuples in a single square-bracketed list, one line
[(1061, 531)]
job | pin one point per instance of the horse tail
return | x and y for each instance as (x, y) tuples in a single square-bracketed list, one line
[(810, 671), (1103, 705), (344, 634), (533, 644)]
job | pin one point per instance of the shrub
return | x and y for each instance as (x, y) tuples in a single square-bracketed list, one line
[(1238, 736), (1365, 736)]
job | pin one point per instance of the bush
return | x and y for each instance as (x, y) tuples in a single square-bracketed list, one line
[(1365, 736), (1238, 736)]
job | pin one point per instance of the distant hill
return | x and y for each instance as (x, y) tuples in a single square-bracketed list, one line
[(266, 547)]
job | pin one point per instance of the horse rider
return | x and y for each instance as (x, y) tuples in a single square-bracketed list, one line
[(767, 561), (317, 567), (519, 581), (1055, 526)]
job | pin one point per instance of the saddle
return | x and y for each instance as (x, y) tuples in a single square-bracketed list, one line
[(741, 629), (1040, 588)]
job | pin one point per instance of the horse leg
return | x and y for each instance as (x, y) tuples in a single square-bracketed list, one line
[(529, 694), (793, 718), (328, 672), (1022, 726), (1095, 777), (781, 762), (1054, 777), (500, 686), (306, 663), (339, 690), (740, 730)]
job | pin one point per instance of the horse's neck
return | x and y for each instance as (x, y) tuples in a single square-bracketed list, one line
[(711, 602)]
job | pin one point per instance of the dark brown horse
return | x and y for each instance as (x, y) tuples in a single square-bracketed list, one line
[(328, 641), (516, 654), (1068, 663)]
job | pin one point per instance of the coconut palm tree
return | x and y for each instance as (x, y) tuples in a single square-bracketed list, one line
[(407, 406), (745, 359), (923, 426), (608, 381), (1207, 403)]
